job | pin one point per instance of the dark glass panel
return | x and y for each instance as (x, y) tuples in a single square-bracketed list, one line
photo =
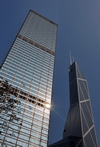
[(86, 114), (89, 107), (73, 93), (83, 144), (93, 136), (88, 141), (79, 144), (84, 124), (73, 123), (79, 73), (72, 73), (81, 95), (67, 125), (76, 122), (83, 89)]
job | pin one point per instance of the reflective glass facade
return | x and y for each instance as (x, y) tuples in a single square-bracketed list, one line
[(80, 121), (29, 67), (79, 130)]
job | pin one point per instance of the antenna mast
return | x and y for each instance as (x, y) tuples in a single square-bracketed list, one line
[(70, 59)]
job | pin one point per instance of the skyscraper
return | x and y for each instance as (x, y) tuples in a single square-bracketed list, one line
[(79, 128), (28, 68)]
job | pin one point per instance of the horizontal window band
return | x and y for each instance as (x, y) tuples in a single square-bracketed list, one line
[(25, 96), (35, 44)]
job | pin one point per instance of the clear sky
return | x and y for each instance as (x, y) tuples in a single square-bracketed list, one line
[(78, 31)]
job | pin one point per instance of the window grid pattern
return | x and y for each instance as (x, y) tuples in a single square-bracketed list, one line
[(44, 31), (29, 69)]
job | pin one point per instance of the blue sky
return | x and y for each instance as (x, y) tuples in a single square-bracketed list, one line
[(78, 31)]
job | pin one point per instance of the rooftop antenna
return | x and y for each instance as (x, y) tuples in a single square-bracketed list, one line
[(70, 58), (73, 59)]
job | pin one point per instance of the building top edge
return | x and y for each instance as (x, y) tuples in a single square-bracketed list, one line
[(74, 62), (44, 17)]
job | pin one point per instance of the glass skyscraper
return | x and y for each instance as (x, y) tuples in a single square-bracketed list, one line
[(79, 130), (28, 68)]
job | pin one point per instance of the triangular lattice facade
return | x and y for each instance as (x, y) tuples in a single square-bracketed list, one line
[(79, 129), (80, 120)]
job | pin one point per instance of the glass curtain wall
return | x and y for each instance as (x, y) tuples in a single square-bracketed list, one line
[(28, 68)]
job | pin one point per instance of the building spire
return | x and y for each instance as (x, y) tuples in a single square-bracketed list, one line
[(73, 59), (70, 58)]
